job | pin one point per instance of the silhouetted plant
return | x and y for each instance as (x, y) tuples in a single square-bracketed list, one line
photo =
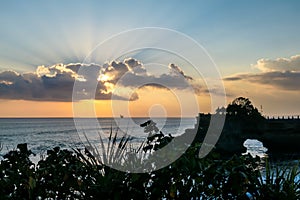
[(242, 107), (279, 182), (17, 174), (155, 139), (78, 174)]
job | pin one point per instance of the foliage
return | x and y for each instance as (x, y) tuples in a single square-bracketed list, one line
[(279, 183), (242, 107), (78, 174), (17, 174), (243, 116)]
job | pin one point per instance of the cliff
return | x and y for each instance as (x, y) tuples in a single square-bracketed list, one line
[(277, 135)]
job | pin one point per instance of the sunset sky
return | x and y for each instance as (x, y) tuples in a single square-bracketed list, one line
[(254, 44)]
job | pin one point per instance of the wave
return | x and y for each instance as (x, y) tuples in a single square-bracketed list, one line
[(53, 132)]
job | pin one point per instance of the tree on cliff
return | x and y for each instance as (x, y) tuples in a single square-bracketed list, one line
[(242, 120), (242, 107)]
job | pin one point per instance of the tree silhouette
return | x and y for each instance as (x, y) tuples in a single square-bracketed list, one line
[(242, 107)]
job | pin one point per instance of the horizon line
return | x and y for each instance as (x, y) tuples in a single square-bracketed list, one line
[(58, 117)]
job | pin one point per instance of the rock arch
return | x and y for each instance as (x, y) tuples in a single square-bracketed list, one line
[(277, 135)]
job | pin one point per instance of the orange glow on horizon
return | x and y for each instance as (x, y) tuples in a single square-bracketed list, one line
[(22, 108), (151, 102)]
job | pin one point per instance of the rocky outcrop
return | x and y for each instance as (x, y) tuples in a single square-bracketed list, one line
[(281, 135), (277, 135)]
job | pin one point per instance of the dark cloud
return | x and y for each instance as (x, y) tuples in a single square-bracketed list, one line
[(164, 80), (132, 63), (16, 86), (234, 78), (283, 80), (177, 69), (281, 73), (132, 73), (55, 83)]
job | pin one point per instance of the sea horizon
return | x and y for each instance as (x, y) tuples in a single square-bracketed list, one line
[(138, 117), (45, 133)]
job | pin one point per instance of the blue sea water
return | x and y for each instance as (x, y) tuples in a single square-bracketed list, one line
[(42, 134)]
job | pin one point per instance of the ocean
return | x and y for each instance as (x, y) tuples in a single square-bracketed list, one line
[(42, 134)]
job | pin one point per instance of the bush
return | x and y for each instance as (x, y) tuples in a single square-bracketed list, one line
[(79, 174)]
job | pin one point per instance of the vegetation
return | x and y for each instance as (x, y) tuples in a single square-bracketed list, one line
[(83, 174), (76, 174), (241, 107)]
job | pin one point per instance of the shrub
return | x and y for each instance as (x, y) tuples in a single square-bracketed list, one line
[(79, 174)]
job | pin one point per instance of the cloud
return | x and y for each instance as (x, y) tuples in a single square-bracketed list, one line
[(234, 78), (55, 83), (132, 73), (177, 69), (282, 80), (279, 64), (281, 73)]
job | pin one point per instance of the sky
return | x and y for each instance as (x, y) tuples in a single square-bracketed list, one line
[(254, 45)]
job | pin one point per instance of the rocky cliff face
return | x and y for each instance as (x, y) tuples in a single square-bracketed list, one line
[(278, 135), (281, 135)]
